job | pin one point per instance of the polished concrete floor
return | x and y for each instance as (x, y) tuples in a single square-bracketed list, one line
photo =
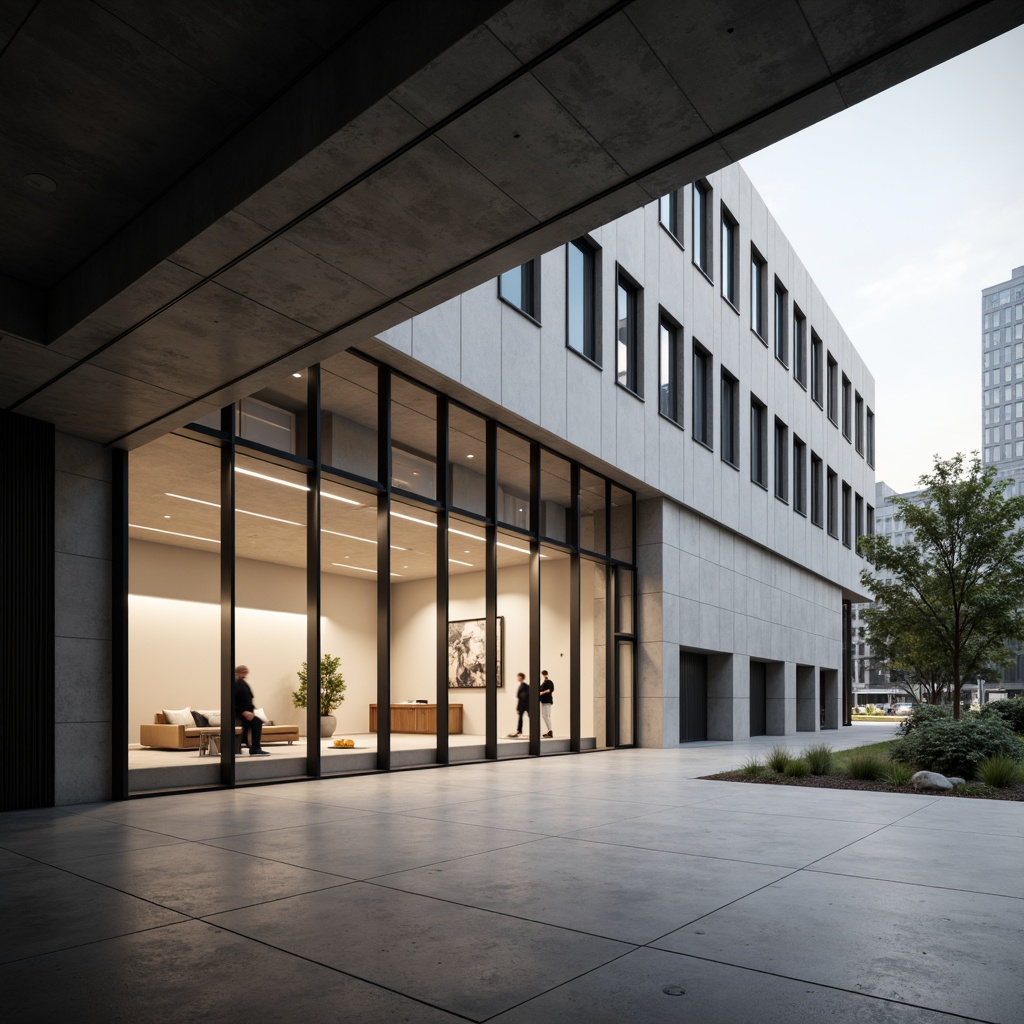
[(607, 887)]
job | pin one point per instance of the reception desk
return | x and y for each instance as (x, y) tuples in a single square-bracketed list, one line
[(419, 718)]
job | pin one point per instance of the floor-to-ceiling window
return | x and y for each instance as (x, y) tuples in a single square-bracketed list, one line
[(350, 520)]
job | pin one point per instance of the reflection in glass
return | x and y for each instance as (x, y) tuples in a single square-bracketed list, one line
[(593, 513), (414, 438), (513, 480), (555, 497), (348, 434), (467, 454)]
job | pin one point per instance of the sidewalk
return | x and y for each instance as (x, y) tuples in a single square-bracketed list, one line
[(604, 887)]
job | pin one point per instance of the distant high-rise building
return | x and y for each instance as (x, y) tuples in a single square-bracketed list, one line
[(1002, 376), (1002, 399)]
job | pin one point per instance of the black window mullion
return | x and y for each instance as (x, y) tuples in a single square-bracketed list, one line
[(441, 635), (227, 598), (384, 572), (313, 582), (491, 597)]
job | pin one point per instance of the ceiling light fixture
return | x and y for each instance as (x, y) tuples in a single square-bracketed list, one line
[(298, 375), (457, 562), (342, 565), (171, 533), (239, 511), (364, 540)]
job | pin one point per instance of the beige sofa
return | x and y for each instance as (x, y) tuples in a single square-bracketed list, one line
[(186, 737)]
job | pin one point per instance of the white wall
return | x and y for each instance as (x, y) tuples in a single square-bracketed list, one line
[(174, 634)]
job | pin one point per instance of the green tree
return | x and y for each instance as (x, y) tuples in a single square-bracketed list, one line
[(332, 685), (948, 602)]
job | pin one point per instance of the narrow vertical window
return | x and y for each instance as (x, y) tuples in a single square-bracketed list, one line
[(518, 287), (758, 313), (626, 335), (758, 442), (580, 294), (670, 370), (799, 476), (858, 519), (781, 323), (816, 489), (831, 503), (730, 420), (702, 397), (668, 213), (832, 388), (781, 461), (730, 259), (847, 408), (702, 196), (870, 430), (799, 347), (869, 525), (817, 367), (858, 422), (847, 511)]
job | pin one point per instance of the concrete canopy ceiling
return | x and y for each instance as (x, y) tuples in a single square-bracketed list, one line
[(202, 197)]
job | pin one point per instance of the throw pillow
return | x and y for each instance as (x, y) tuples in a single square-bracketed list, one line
[(261, 715), (214, 719), (182, 717), (200, 719)]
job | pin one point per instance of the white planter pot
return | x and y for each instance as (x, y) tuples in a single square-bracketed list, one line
[(328, 723)]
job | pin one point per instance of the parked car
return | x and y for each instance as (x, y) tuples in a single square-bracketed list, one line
[(902, 709)]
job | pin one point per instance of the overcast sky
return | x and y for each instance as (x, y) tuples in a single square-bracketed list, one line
[(903, 208)]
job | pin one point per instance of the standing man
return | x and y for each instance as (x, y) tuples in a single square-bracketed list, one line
[(547, 690), (252, 727), (522, 704)]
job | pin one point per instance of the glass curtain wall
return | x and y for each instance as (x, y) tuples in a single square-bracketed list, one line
[(379, 526)]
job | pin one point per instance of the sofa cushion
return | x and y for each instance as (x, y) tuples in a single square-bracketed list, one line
[(200, 719), (182, 717), (262, 715)]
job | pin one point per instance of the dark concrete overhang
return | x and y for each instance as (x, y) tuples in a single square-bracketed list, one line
[(200, 198)]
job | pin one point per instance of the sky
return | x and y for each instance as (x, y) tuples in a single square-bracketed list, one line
[(902, 208)]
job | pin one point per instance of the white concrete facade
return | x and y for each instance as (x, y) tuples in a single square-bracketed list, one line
[(726, 567)]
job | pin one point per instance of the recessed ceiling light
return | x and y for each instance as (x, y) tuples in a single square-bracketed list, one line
[(299, 375), (167, 517), (470, 456), (40, 182)]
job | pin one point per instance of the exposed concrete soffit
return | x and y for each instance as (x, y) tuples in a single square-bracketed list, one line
[(223, 237)]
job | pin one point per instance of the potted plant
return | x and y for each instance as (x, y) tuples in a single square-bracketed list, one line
[(332, 692)]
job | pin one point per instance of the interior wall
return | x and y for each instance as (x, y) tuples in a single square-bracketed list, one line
[(174, 634)]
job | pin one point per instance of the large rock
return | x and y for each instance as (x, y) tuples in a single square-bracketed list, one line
[(930, 780), (956, 781)]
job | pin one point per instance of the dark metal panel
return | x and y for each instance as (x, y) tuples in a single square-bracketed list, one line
[(693, 697), (384, 571), (119, 624), (313, 588), (535, 723), (491, 598), (27, 700), (441, 635), (227, 598), (575, 711)]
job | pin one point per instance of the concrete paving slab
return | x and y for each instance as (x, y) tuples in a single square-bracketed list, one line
[(43, 909), (703, 830), (194, 971), (616, 892), (372, 845), (460, 959), (201, 880), (543, 812), (982, 817), (652, 986), (945, 950), (957, 861)]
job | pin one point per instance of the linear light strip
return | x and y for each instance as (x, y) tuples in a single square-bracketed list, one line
[(358, 568), (294, 486), (173, 533)]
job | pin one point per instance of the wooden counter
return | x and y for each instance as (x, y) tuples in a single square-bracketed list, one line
[(419, 718)]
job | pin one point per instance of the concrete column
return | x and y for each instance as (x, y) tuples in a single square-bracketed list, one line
[(781, 698), (728, 697), (82, 615)]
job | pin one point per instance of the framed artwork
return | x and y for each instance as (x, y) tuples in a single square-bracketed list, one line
[(467, 653)]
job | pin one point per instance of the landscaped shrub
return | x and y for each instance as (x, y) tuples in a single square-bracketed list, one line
[(957, 748), (797, 769), (819, 758), (925, 714), (899, 774), (1010, 711), (778, 757), (752, 766), (866, 766), (999, 772)]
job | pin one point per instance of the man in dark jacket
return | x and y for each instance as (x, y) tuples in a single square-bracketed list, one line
[(547, 690), (245, 708), (522, 704)]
